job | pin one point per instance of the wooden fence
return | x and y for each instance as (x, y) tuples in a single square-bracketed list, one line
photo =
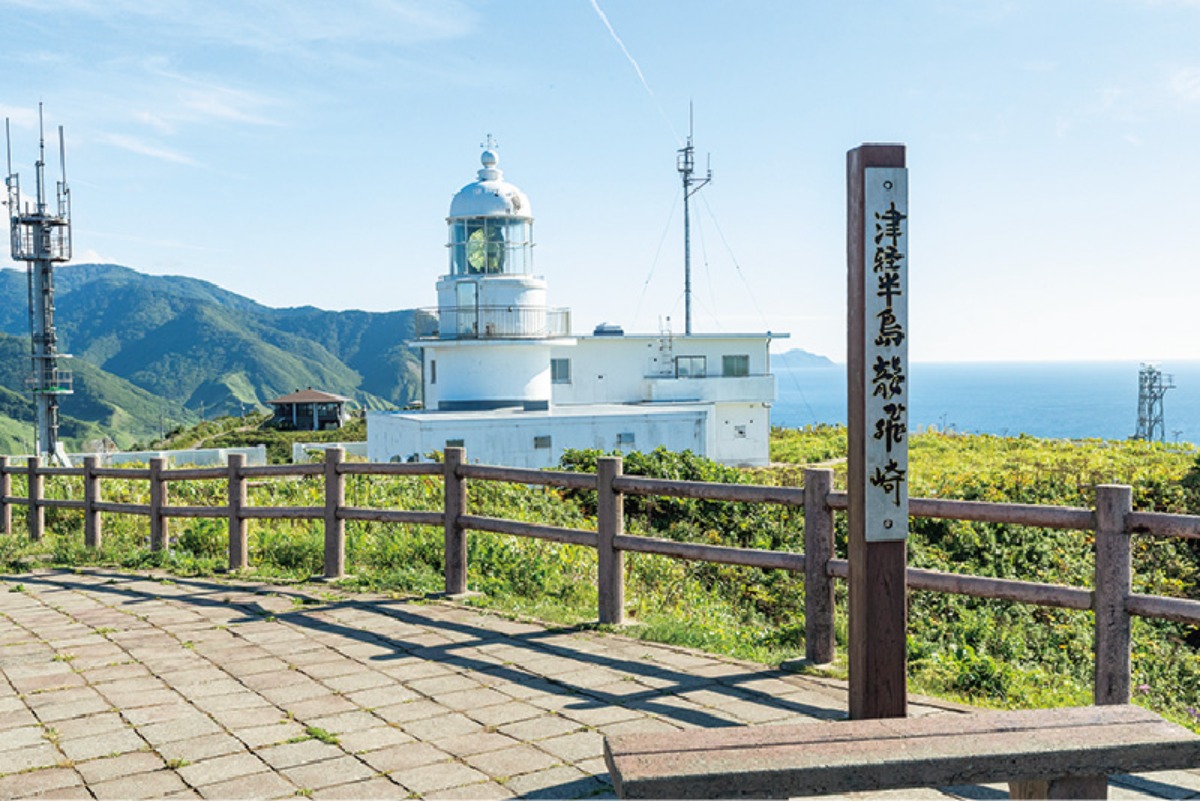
[(1113, 521)]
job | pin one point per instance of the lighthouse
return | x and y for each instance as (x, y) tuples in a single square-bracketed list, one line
[(504, 377), (490, 347)]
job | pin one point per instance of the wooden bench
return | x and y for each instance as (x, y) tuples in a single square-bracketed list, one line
[(1045, 753)]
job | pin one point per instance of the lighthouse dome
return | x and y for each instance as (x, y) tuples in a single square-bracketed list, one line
[(491, 195)]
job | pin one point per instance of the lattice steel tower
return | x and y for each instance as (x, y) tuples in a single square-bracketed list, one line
[(41, 237), (1152, 385)]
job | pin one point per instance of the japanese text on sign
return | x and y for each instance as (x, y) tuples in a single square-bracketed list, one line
[(886, 351)]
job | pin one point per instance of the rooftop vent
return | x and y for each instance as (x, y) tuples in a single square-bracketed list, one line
[(609, 330)]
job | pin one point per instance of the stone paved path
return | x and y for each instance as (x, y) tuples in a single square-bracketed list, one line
[(116, 685)]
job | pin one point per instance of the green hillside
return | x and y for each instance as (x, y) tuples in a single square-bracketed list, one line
[(103, 406), (154, 348)]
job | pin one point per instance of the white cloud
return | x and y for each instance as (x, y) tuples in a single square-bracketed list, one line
[(278, 25), (135, 145), (1185, 84)]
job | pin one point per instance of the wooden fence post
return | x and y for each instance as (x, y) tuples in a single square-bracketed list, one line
[(37, 512), (819, 636), (455, 494), (238, 525), (5, 492), (158, 499), (92, 531), (335, 527), (610, 523), (1112, 587)]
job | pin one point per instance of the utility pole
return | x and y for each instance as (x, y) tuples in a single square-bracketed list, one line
[(685, 162)]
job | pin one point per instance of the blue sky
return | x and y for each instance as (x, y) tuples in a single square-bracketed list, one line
[(304, 155)]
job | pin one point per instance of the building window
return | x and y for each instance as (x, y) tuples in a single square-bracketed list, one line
[(691, 366), (737, 365), (433, 371), (542, 441), (560, 371), (625, 438)]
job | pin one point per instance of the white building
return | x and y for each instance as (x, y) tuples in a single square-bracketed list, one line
[(504, 378)]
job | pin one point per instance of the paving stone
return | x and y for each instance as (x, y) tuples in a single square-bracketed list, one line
[(559, 782), (95, 771), (476, 743), (288, 755), (509, 712), (574, 748), (484, 791), (23, 737), (294, 690), (22, 785), (403, 757), (380, 736), (258, 785), (471, 700), (377, 787), (339, 770), (638, 726), (78, 791), (116, 741), (598, 714), (141, 785), (345, 722), (360, 680), (439, 776), (540, 728), (380, 696), (441, 727), (222, 768), (183, 728), (197, 748), (437, 686), (410, 711), (248, 718), (258, 736), (510, 762), (320, 706), (144, 715)]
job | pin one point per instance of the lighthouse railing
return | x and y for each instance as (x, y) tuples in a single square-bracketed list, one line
[(493, 322)]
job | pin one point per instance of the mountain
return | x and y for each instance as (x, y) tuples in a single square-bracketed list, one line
[(798, 357), (176, 347)]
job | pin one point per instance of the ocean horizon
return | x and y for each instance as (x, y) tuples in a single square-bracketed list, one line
[(1067, 400)]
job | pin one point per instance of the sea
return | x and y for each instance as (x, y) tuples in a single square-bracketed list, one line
[(1065, 400)]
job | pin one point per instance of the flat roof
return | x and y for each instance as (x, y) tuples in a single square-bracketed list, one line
[(566, 411)]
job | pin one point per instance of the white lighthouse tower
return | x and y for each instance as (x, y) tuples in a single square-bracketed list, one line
[(491, 345)]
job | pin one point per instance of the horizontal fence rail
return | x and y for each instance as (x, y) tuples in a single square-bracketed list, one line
[(1113, 522)]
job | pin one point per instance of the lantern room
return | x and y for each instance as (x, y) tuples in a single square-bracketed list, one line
[(491, 225)]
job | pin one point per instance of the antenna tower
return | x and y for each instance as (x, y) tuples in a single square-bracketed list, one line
[(685, 162), (40, 237), (1152, 385)]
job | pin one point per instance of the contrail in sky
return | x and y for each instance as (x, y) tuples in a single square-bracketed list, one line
[(641, 77)]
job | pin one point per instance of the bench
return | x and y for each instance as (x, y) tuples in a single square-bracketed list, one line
[(1044, 753)]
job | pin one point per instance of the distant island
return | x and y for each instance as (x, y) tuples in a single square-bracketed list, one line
[(798, 357)]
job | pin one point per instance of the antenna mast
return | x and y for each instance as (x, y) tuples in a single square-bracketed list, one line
[(41, 238), (686, 164), (1152, 385)]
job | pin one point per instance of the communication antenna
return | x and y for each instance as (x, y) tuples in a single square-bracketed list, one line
[(40, 238), (1152, 385), (685, 162)]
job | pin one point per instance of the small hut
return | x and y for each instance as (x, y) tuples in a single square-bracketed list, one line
[(309, 410)]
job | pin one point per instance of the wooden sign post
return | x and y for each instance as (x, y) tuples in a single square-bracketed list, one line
[(877, 369)]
